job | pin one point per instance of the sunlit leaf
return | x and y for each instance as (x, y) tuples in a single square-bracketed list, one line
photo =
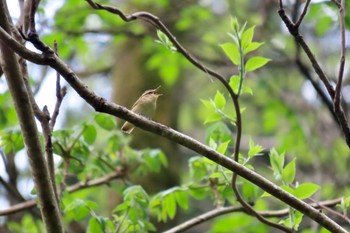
[(182, 199), (306, 190), (223, 147), (90, 134), (170, 205), (105, 121), (232, 51), (219, 100), (254, 149), (288, 173), (255, 63), (251, 47), (247, 37), (234, 82)]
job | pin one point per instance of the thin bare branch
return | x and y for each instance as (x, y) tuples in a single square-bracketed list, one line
[(294, 31), (60, 94), (251, 211), (226, 210), (340, 6), (301, 17)]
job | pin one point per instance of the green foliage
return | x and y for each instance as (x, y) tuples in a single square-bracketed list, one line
[(236, 51), (7, 112), (28, 224), (237, 222), (11, 140), (164, 40), (344, 205), (322, 16), (105, 121)]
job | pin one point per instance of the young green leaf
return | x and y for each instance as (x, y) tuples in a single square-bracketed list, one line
[(305, 190), (208, 104), (169, 204), (251, 47), (181, 199), (234, 24), (288, 173), (212, 143), (219, 100), (231, 50), (254, 149), (215, 116), (277, 162), (105, 121), (223, 147), (90, 134), (255, 63), (234, 82), (247, 37)]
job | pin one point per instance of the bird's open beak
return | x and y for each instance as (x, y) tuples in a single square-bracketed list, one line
[(155, 91)]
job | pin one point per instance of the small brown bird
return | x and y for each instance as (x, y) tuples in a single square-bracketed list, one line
[(145, 106)]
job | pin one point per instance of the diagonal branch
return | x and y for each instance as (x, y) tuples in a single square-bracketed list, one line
[(227, 210)]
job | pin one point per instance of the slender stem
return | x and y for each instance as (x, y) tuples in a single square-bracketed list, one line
[(342, 54)]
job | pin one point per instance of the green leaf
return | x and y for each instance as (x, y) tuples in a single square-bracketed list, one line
[(232, 51), (247, 90), (254, 149), (208, 104), (234, 82), (105, 121), (288, 189), (306, 190), (162, 37), (323, 25), (223, 147), (288, 173), (247, 37), (298, 217), (212, 144), (255, 63), (277, 162), (169, 204), (215, 175), (90, 134), (219, 100), (249, 191), (213, 117), (181, 198), (234, 24), (251, 47)]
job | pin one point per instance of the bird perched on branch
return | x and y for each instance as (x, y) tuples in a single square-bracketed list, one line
[(145, 106)]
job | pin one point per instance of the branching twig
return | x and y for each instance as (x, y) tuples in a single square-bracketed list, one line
[(60, 93), (307, 3), (251, 211), (226, 210), (118, 174), (294, 31)]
